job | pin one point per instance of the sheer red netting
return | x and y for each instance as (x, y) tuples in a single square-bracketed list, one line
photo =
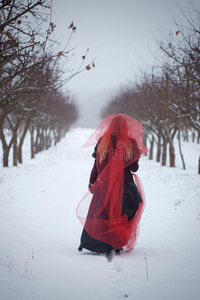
[(119, 140)]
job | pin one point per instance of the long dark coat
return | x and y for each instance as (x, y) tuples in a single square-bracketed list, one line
[(130, 203)]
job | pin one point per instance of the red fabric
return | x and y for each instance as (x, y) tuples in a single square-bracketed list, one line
[(100, 211)]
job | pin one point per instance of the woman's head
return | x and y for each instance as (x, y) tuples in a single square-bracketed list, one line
[(115, 137), (118, 126), (123, 127)]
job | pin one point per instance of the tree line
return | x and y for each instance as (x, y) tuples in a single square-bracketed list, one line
[(166, 98), (31, 78)]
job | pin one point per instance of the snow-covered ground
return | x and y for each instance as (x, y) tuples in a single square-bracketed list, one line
[(39, 231)]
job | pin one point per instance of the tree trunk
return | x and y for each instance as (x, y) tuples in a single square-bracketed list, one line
[(145, 139), (193, 136), (151, 148), (164, 152), (5, 157), (6, 148), (55, 137), (171, 155), (180, 150), (19, 152), (36, 141), (158, 149), (32, 142), (42, 142), (50, 138), (45, 139), (171, 148), (22, 139), (186, 138), (15, 155)]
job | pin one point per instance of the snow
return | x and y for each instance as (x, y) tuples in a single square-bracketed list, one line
[(40, 232)]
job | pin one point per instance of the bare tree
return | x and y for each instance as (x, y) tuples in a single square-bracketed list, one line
[(31, 73), (183, 53)]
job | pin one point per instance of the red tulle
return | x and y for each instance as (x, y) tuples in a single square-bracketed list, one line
[(119, 140)]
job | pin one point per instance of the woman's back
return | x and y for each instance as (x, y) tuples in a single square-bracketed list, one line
[(114, 206)]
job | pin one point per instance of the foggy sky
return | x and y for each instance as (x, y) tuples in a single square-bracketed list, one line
[(121, 35)]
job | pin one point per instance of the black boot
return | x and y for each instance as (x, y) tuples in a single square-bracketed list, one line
[(117, 251), (80, 248)]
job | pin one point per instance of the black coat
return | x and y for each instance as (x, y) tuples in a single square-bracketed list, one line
[(130, 203)]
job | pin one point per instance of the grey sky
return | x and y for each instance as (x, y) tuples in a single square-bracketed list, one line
[(121, 35)]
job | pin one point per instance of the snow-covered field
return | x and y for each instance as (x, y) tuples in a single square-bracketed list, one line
[(39, 231)]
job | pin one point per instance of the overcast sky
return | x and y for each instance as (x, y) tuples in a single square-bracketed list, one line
[(121, 35)]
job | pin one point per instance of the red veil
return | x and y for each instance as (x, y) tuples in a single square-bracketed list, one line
[(119, 140)]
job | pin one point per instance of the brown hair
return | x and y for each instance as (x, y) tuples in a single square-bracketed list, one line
[(103, 148)]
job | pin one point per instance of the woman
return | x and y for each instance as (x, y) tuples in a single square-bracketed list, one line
[(111, 210)]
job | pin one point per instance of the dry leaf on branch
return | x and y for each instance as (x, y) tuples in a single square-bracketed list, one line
[(88, 67), (71, 25), (60, 53)]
